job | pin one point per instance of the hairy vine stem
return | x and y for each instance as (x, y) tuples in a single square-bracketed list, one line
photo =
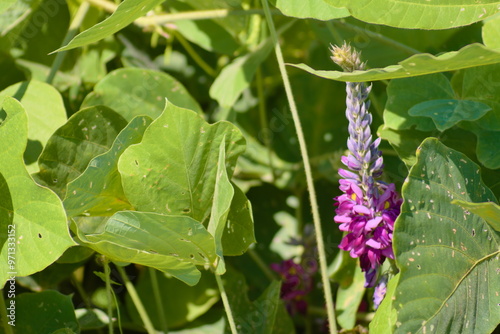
[(307, 169)]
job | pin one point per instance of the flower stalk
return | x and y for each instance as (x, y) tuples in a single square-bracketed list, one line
[(368, 207)]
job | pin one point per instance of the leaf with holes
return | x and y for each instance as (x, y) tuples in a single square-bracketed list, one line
[(173, 170), (131, 236), (469, 56), (126, 13), (418, 14), (132, 92), (448, 257), (98, 191), (87, 133), (32, 218)]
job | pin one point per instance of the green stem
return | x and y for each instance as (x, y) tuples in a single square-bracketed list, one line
[(76, 282), (196, 57), (158, 300), (261, 264), (109, 293), (137, 301), (307, 169), (3, 315), (73, 29), (227, 307)]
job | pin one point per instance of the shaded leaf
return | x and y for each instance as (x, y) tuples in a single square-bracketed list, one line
[(173, 169), (32, 217), (489, 211), (447, 256), (310, 9), (98, 190), (348, 300), (447, 113), (437, 14), (45, 312), (126, 13), (88, 133), (46, 113), (420, 64), (181, 303), (132, 92), (239, 232)]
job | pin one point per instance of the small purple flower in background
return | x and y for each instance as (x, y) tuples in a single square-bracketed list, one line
[(367, 208), (380, 290), (297, 283)]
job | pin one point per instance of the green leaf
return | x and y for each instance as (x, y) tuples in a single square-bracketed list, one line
[(447, 256), (98, 190), (45, 312), (418, 14), (46, 113), (133, 91), (91, 318), (88, 133), (223, 196), (447, 113), (180, 237), (5, 4), (126, 13), (348, 300), (384, 320), (491, 31), (173, 294), (259, 316), (173, 170), (489, 211), (32, 217), (310, 9), (469, 56), (239, 232), (237, 76)]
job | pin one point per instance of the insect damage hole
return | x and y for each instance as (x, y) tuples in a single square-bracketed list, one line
[(40, 235)]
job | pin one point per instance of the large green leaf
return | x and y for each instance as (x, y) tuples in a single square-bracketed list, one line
[(491, 31), (310, 9), (87, 133), (469, 56), (181, 303), (126, 13), (172, 244), (98, 190), (446, 113), (32, 218), (46, 113), (133, 91), (384, 320), (489, 211), (448, 256), (419, 14), (173, 169), (45, 312)]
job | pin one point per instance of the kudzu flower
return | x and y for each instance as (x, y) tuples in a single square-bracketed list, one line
[(367, 208), (297, 283)]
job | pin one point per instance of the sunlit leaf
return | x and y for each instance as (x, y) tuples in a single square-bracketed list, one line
[(489, 211), (420, 64), (126, 13), (32, 217), (132, 92), (384, 320), (447, 255), (5, 4), (436, 14), (98, 190), (348, 300), (310, 9), (173, 169), (491, 31), (46, 113)]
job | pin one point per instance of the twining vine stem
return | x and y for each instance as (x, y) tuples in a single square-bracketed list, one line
[(307, 169)]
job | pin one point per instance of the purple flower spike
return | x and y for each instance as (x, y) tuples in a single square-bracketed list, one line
[(368, 208)]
